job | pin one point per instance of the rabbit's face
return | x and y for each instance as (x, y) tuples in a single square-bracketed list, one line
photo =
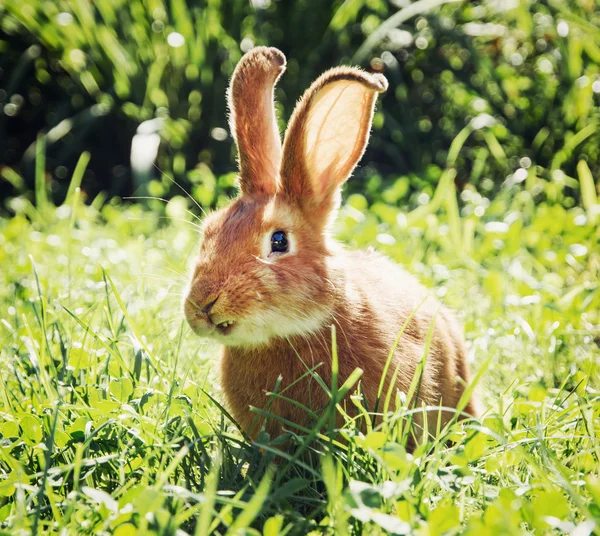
[(260, 274)]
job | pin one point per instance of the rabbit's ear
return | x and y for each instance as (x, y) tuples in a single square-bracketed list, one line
[(327, 135), (252, 119)]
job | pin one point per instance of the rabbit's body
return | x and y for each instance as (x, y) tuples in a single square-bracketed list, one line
[(370, 300), (270, 281)]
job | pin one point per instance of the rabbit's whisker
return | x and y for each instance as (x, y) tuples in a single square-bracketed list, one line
[(182, 189)]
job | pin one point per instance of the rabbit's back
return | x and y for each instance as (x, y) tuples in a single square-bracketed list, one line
[(391, 300)]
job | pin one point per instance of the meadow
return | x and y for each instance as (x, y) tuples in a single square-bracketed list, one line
[(110, 414), (481, 178)]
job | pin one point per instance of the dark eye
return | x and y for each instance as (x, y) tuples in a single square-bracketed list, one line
[(279, 242)]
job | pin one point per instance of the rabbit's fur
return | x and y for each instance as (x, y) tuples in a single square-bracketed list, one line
[(282, 305)]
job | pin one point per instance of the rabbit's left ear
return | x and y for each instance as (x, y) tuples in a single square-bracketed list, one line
[(327, 135), (253, 122)]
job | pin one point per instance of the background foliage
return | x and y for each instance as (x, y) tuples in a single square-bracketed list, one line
[(86, 75)]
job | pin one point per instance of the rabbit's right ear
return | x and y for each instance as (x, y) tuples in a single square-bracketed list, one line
[(252, 119), (326, 137)]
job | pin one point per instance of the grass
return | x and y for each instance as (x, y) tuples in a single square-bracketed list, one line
[(110, 420)]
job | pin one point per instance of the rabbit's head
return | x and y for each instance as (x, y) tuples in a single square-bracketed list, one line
[(264, 261)]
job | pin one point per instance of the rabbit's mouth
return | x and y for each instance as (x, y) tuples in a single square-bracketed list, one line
[(225, 327)]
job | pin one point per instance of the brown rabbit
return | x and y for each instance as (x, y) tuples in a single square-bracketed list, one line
[(270, 281)]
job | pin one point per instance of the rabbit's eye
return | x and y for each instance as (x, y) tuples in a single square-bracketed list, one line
[(279, 242)]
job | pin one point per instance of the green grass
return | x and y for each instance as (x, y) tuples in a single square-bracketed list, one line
[(110, 415)]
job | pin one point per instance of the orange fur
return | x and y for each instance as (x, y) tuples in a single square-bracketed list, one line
[(252, 120), (283, 306)]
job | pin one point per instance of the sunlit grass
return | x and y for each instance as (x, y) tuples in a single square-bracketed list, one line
[(110, 415)]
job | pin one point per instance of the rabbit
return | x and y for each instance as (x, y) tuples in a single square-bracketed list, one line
[(270, 281)]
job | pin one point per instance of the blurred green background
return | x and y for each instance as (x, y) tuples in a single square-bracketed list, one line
[(500, 90)]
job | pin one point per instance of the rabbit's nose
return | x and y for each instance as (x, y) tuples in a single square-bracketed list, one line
[(209, 304)]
